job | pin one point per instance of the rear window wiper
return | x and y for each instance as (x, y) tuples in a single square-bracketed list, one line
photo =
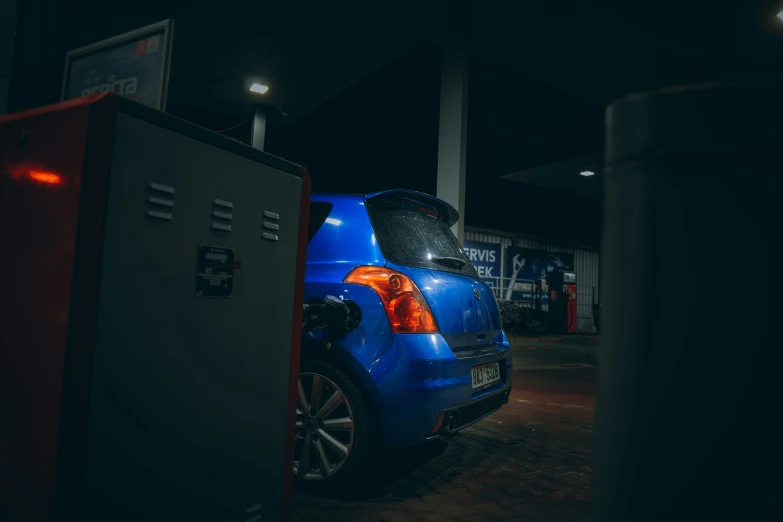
[(453, 261)]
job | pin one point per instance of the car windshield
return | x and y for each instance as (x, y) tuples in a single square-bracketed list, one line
[(413, 235)]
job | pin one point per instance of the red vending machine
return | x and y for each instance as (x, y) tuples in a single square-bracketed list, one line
[(562, 306), (569, 283), (151, 280)]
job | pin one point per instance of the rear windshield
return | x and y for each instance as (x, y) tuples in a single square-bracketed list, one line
[(415, 236)]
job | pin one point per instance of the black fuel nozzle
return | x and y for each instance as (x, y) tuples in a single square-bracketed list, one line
[(354, 315), (333, 314), (336, 312), (346, 316)]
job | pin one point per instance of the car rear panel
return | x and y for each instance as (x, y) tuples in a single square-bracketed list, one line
[(413, 234), (411, 377), (464, 307), (420, 376), (423, 375), (341, 238)]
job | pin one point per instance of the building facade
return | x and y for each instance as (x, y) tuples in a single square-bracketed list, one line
[(509, 263)]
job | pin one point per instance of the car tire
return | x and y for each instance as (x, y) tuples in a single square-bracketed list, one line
[(363, 439)]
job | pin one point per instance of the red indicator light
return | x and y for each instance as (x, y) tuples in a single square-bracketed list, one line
[(33, 173), (438, 424), (48, 178), (428, 211)]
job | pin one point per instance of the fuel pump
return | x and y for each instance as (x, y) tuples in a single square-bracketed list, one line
[(562, 302), (165, 391), (569, 278)]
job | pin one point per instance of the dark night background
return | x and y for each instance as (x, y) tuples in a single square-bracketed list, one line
[(382, 130), (382, 133), (679, 392)]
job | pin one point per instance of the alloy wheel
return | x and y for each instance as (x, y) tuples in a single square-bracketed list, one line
[(324, 428)]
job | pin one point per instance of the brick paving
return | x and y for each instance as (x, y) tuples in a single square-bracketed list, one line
[(530, 461)]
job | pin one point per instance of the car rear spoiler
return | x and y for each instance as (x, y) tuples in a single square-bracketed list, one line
[(446, 212)]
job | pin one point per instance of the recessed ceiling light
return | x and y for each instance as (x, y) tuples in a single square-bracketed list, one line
[(780, 15), (259, 88), (587, 173)]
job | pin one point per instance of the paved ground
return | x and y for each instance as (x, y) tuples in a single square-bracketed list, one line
[(528, 462), (531, 352)]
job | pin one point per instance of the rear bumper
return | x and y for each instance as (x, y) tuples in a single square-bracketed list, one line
[(471, 413), (420, 377)]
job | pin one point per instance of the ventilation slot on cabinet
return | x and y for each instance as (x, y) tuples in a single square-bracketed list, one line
[(160, 202), (222, 214), (271, 222), (253, 513)]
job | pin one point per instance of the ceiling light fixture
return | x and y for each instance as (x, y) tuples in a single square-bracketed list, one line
[(259, 88), (780, 15), (587, 173)]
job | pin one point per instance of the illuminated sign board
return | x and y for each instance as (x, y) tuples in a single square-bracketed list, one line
[(134, 65), (485, 258)]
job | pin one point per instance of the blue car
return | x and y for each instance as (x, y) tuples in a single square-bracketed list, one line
[(430, 356)]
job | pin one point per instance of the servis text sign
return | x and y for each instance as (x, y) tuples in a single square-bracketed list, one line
[(134, 66), (485, 257)]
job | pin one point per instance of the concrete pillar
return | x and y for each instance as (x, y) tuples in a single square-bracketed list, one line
[(258, 134), (8, 15), (599, 289), (688, 369), (453, 137)]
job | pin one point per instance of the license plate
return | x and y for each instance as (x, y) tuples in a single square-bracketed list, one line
[(485, 375)]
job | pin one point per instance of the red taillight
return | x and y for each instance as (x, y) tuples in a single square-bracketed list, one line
[(406, 308)]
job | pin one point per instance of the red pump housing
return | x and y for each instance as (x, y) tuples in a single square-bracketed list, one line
[(136, 331), (570, 290)]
